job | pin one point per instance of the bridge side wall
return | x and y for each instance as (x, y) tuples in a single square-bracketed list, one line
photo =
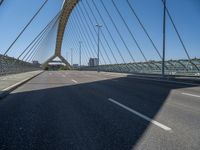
[(9, 65)]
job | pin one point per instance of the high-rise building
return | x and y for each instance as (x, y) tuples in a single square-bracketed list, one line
[(93, 62)]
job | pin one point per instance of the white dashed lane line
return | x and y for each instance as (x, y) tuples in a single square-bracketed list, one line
[(160, 125), (193, 95), (74, 81)]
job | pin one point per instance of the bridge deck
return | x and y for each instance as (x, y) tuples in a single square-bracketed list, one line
[(86, 110), (9, 81)]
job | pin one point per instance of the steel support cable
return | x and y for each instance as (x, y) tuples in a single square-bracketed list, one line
[(101, 32), (37, 37), (106, 27), (144, 29), (85, 56), (128, 67), (83, 52), (119, 34), (88, 52), (88, 35), (54, 24), (90, 38), (38, 40), (25, 27), (83, 36), (39, 45), (104, 49), (70, 42), (83, 60), (36, 47), (88, 49), (133, 37), (33, 49), (95, 32), (72, 38), (76, 50), (179, 36), (44, 29), (91, 33), (36, 50)]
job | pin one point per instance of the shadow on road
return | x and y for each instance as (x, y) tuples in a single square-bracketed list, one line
[(80, 116)]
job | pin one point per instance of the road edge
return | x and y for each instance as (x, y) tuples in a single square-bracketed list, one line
[(18, 84)]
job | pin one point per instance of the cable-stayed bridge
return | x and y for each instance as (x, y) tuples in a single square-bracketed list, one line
[(101, 74), (112, 57)]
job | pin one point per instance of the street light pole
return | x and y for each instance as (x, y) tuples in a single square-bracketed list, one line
[(66, 55), (80, 42), (71, 57), (98, 48), (164, 39)]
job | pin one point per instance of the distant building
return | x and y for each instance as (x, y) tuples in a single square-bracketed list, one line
[(93, 62), (75, 65), (36, 63)]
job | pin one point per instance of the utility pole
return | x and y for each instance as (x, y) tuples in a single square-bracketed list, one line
[(164, 39), (80, 42), (98, 48), (66, 55), (72, 57)]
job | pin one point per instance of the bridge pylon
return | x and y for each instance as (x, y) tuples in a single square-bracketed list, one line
[(67, 8), (63, 60)]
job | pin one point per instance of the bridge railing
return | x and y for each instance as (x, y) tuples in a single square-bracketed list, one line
[(172, 67), (9, 65)]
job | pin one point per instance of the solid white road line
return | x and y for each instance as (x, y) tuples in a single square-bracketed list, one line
[(188, 94), (4, 79), (114, 74), (141, 115), (150, 79), (16, 84), (74, 81), (162, 80)]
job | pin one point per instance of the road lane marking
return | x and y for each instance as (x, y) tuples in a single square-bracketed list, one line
[(162, 126), (150, 79), (163, 80), (114, 74), (3, 79), (16, 84), (193, 95), (74, 81)]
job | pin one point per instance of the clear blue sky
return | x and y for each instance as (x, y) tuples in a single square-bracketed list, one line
[(186, 13)]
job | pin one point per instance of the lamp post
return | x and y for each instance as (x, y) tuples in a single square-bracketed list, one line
[(72, 57), (80, 43), (66, 55), (164, 34), (98, 48)]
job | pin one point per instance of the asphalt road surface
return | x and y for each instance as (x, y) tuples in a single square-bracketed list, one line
[(71, 110)]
